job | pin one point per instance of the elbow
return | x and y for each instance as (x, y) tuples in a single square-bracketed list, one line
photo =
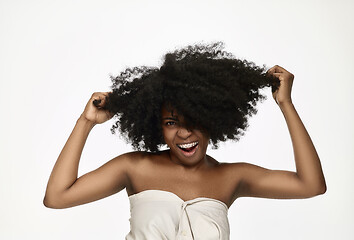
[(52, 203), (55, 199), (47, 203), (322, 189), (313, 187), (319, 190)]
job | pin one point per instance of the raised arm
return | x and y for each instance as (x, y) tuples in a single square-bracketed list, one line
[(64, 189), (308, 180)]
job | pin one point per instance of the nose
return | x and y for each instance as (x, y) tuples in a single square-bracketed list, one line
[(184, 133)]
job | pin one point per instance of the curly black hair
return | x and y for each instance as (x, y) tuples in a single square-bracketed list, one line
[(208, 86)]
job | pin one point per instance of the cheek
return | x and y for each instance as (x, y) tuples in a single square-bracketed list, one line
[(168, 135), (204, 136)]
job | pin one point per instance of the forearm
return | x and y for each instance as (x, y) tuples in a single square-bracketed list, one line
[(308, 165), (65, 170)]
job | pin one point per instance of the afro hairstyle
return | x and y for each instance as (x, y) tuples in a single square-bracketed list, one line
[(208, 86)]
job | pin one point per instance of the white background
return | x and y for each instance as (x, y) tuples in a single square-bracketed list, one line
[(55, 54)]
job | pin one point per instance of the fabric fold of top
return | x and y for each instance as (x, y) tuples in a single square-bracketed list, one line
[(157, 214)]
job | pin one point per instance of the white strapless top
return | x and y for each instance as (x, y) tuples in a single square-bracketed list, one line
[(157, 214)]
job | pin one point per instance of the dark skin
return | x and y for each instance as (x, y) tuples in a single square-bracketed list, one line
[(189, 175), (171, 171)]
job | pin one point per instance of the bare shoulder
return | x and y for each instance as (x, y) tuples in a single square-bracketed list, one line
[(131, 157), (141, 168), (243, 173), (238, 168), (134, 159), (242, 168)]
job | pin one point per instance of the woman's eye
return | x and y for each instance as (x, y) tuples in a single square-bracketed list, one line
[(170, 123)]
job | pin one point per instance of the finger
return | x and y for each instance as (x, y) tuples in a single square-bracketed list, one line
[(99, 99), (99, 94), (274, 74), (277, 69), (271, 71), (104, 98), (106, 93), (280, 69), (97, 102), (277, 74), (100, 103)]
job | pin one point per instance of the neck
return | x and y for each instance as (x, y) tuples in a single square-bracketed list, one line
[(199, 165)]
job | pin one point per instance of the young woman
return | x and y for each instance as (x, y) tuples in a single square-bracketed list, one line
[(201, 95)]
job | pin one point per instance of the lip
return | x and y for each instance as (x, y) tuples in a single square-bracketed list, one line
[(189, 154)]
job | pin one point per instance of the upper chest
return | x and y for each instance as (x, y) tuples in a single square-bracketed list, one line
[(216, 181)]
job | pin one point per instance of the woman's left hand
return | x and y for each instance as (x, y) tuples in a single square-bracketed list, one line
[(283, 93)]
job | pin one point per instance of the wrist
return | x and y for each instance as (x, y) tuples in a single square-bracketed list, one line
[(285, 105), (84, 121)]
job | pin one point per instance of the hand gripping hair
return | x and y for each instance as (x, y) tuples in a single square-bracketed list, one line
[(208, 86)]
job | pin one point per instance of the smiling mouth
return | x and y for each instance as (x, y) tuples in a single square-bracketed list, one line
[(188, 147)]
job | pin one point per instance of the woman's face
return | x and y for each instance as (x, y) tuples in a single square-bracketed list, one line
[(187, 147)]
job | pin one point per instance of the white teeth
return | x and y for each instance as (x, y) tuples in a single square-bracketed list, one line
[(188, 145)]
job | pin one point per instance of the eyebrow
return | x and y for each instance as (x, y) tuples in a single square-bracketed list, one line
[(170, 118)]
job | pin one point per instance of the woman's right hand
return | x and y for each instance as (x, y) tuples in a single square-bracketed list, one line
[(97, 114)]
